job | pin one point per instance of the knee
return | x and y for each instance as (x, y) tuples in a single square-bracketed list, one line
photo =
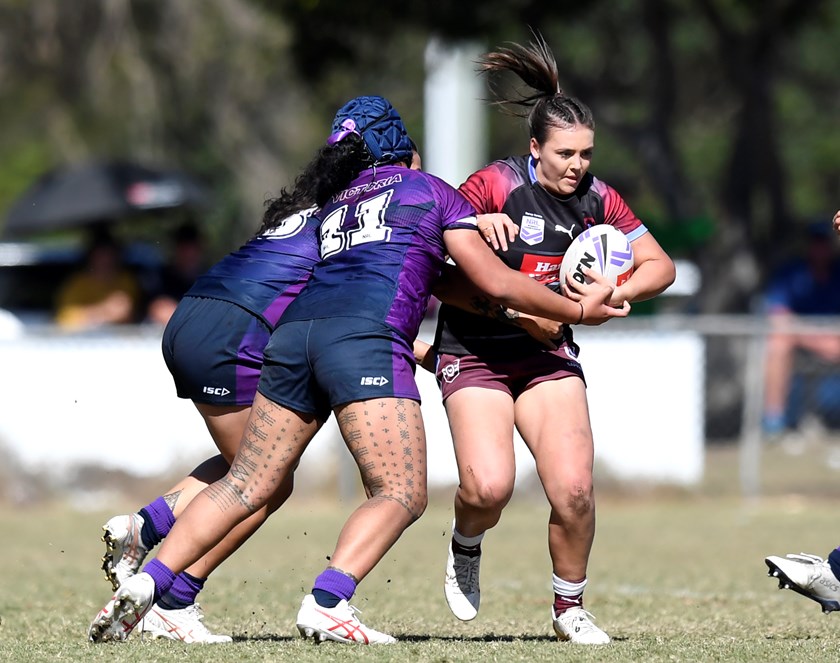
[(282, 493), (417, 506), (228, 493), (413, 498), (487, 495), (574, 498)]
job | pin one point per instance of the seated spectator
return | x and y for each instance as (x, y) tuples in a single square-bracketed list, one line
[(186, 265), (807, 287), (103, 293)]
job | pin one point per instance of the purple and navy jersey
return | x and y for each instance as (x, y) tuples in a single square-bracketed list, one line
[(547, 226), (268, 272), (382, 248)]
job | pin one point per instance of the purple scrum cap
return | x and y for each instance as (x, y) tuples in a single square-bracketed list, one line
[(378, 123)]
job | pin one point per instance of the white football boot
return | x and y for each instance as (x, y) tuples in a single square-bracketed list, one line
[(124, 549), (460, 586), (808, 575), (123, 612), (183, 624), (339, 624), (575, 625)]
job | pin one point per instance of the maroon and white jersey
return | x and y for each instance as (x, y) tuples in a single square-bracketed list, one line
[(547, 226)]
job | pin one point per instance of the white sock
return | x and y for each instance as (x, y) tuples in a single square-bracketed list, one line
[(566, 588), (466, 541)]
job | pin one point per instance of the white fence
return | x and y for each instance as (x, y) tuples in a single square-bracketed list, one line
[(655, 389)]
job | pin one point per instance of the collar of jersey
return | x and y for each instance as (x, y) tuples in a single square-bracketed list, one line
[(532, 169)]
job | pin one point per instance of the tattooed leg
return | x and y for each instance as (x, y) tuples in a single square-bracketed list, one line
[(388, 442), (183, 492), (225, 423), (274, 440)]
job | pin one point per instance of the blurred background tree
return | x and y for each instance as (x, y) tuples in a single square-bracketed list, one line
[(716, 118)]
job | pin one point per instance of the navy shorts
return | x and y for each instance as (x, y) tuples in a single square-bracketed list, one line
[(513, 376), (312, 366), (214, 350)]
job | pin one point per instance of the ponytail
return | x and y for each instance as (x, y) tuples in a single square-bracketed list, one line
[(535, 65)]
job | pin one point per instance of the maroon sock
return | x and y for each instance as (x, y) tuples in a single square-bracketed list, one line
[(563, 603)]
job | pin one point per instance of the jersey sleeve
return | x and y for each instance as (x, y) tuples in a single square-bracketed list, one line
[(488, 189), (618, 213), (455, 211)]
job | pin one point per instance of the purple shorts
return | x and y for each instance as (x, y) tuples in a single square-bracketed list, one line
[(513, 376), (214, 350), (313, 366)]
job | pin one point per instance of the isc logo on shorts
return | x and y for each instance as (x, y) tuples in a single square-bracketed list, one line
[(216, 391), (377, 381)]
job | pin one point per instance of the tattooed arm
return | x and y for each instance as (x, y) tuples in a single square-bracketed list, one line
[(455, 289)]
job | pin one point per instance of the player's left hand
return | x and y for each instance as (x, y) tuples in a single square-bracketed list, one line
[(835, 222), (497, 229)]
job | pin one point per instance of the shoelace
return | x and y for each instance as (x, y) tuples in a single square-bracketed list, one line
[(354, 611), (584, 619), (466, 571), (195, 611)]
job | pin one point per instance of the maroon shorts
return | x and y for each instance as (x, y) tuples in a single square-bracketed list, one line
[(513, 376)]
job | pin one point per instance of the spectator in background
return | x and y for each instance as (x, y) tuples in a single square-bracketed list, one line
[(812, 576), (809, 286), (105, 292), (186, 265)]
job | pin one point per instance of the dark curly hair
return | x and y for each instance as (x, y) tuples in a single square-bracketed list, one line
[(332, 169)]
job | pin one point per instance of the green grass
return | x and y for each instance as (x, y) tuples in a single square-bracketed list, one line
[(672, 578)]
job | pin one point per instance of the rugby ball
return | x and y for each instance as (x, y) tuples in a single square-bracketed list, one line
[(601, 248)]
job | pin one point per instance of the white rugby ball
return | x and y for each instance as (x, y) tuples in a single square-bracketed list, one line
[(603, 249)]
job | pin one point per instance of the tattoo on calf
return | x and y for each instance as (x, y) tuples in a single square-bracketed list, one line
[(384, 445), (171, 499), (225, 495)]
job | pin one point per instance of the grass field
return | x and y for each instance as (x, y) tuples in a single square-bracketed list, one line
[(672, 578)]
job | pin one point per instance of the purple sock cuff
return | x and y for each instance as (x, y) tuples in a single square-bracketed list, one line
[(336, 582), (162, 517), (186, 588), (162, 575)]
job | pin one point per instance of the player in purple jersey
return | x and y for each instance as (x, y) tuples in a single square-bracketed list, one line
[(494, 377), (214, 350), (213, 346), (344, 345)]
